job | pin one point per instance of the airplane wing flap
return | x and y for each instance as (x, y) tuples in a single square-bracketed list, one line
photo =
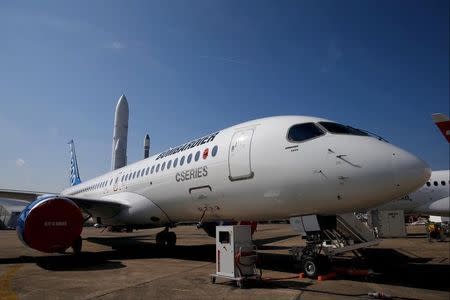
[(100, 208)]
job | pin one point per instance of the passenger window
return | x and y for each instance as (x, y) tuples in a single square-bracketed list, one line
[(443, 182), (146, 172), (153, 169), (435, 183), (214, 151), (137, 173), (197, 155), (123, 176), (157, 168), (303, 132), (182, 160), (175, 162), (428, 183), (163, 166), (189, 158), (169, 164), (134, 174), (117, 179), (142, 172)]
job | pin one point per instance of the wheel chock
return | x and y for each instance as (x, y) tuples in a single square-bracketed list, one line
[(329, 276)]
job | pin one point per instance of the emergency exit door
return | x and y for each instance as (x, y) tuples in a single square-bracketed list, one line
[(239, 155)]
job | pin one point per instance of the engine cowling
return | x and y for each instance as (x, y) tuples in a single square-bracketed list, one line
[(50, 224)]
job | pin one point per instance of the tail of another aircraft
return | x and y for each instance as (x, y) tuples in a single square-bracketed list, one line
[(74, 173), (443, 123)]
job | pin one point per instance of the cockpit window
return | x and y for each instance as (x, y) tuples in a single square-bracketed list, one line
[(342, 129), (303, 132)]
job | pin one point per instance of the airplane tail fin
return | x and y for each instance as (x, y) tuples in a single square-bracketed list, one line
[(443, 123), (74, 173)]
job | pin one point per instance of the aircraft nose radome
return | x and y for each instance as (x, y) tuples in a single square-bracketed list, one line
[(410, 172)]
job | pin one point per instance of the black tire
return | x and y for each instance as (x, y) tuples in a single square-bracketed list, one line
[(171, 239), (310, 266), (161, 239), (77, 245), (240, 284)]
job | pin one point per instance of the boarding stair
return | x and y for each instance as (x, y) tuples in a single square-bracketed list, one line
[(350, 234)]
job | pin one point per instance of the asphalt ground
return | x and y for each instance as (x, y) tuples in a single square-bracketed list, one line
[(130, 266)]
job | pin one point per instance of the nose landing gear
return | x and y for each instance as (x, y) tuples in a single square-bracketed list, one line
[(312, 261), (166, 238)]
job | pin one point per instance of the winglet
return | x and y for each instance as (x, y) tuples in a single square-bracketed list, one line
[(443, 123), (74, 173)]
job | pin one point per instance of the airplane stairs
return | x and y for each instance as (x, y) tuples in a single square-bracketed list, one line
[(338, 234), (350, 234)]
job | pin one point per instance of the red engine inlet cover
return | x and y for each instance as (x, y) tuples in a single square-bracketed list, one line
[(53, 225)]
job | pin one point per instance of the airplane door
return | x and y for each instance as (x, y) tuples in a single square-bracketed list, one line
[(239, 155)]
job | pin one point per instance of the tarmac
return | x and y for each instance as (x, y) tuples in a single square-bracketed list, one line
[(130, 266)]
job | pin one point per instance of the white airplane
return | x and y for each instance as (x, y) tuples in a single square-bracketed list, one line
[(433, 197), (265, 169)]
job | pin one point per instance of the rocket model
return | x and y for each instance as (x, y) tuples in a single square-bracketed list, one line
[(146, 146), (120, 135)]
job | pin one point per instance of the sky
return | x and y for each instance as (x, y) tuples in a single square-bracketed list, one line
[(189, 68)]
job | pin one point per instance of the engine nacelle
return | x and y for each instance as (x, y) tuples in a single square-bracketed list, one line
[(50, 224), (210, 227)]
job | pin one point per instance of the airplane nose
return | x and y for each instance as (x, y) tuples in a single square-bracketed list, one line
[(410, 172)]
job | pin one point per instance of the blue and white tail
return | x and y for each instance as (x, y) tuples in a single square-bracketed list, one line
[(74, 173)]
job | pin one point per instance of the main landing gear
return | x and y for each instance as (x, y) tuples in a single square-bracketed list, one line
[(166, 238)]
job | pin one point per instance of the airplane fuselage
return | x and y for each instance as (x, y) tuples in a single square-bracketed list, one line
[(258, 170)]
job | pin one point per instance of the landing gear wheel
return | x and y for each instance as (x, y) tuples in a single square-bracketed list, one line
[(77, 244), (171, 239), (160, 239), (310, 266), (166, 239), (314, 265), (240, 284), (213, 279)]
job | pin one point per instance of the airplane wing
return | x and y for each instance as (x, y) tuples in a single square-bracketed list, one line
[(105, 208), (443, 123), (21, 195)]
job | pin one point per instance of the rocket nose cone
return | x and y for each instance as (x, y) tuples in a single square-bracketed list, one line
[(122, 105), (122, 100)]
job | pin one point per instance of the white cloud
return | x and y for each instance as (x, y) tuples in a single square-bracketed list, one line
[(20, 162), (115, 45)]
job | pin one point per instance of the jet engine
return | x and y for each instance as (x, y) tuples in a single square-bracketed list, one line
[(50, 224)]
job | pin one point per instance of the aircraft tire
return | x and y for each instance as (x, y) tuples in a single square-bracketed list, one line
[(77, 245), (171, 239), (310, 266)]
